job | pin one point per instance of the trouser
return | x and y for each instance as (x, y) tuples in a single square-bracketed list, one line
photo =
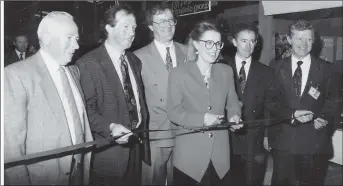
[(248, 169), (161, 168), (210, 178), (298, 169)]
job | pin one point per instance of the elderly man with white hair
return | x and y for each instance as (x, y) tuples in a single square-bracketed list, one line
[(44, 108)]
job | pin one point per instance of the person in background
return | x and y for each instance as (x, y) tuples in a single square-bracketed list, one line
[(158, 58), (202, 93), (44, 109), (301, 146), (20, 52), (256, 88), (115, 102)]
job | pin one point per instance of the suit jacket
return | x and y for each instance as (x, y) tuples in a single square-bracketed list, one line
[(155, 79), (304, 138), (106, 104), (188, 101), (35, 121), (13, 57), (261, 93)]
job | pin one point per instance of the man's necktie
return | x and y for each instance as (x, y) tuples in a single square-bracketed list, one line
[(242, 77), (79, 134), (128, 91), (21, 56), (169, 62), (297, 79)]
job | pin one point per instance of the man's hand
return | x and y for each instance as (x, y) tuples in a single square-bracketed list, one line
[(118, 130), (303, 115), (320, 123), (212, 119), (235, 119)]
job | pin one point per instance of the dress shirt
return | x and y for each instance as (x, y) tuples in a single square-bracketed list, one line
[(305, 69), (115, 57), (53, 68), (18, 54), (238, 61), (162, 49)]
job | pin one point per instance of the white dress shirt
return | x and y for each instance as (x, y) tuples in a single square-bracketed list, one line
[(18, 54), (162, 49), (305, 69), (115, 57), (238, 61), (53, 68)]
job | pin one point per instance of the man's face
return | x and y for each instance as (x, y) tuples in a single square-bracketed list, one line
[(21, 43), (245, 43), (161, 27), (123, 33), (65, 42), (301, 42)]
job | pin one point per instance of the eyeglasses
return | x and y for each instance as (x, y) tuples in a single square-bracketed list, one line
[(209, 44), (164, 23)]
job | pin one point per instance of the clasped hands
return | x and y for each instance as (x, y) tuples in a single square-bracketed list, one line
[(118, 130), (213, 119), (304, 116)]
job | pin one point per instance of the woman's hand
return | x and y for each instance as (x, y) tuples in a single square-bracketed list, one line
[(212, 119), (237, 126)]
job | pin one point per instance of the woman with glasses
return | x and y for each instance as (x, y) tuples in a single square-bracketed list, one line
[(201, 93)]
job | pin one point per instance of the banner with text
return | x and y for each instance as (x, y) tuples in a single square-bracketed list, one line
[(182, 8)]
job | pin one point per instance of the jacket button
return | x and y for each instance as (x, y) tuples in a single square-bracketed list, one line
[(155, 85), (67, 173), (209, 108), (161, 100), (210, 135)]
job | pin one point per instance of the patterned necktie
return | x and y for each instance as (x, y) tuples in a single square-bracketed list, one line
[(128, 91), (79, 135), (242, 77), (21, 56), (169, 62), (297, 79)]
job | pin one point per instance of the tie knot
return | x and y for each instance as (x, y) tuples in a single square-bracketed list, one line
[(167, 49), (299, 63), (243, 62), (21, 54)]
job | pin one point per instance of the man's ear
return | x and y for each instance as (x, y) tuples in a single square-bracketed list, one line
[(151, 28), (289, 40), (108, 28), (46, 39), (234, 42)]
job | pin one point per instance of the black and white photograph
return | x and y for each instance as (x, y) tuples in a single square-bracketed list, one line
[(99, 92)]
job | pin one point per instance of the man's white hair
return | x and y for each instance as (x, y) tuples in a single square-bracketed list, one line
[(50, 23)]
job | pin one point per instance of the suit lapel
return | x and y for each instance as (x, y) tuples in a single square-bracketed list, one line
[(252, 80), (196, 74), (232, 63), (286, 77), (157, 63), (313, 78), (51, 94), (180, 56), (77, 83)]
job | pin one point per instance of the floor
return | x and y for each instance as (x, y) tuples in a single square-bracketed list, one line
[(333, 176)]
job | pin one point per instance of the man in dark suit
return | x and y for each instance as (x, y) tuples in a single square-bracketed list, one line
[(256, 88), (300, 150), (158, 58), (113, 89), (20, 52)]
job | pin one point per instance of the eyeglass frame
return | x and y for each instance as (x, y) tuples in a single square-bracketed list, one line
[(166, 21), (214, 43)]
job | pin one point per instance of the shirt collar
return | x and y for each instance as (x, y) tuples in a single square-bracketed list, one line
[(160, 45), (18, 53), (239, 61), (50, 62), (115, 55), (306, 60)]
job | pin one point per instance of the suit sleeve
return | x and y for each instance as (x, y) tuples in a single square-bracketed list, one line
[(176, 112), (98, 123), (15, 127), (233, 105)]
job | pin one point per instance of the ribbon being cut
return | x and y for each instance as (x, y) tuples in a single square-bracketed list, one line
[(88, 146)]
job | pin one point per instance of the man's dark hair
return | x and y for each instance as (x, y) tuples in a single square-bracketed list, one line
[(244, 27), (110, 14), (156, 9)]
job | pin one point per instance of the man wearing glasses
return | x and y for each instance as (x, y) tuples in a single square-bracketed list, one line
[(158, 58)]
